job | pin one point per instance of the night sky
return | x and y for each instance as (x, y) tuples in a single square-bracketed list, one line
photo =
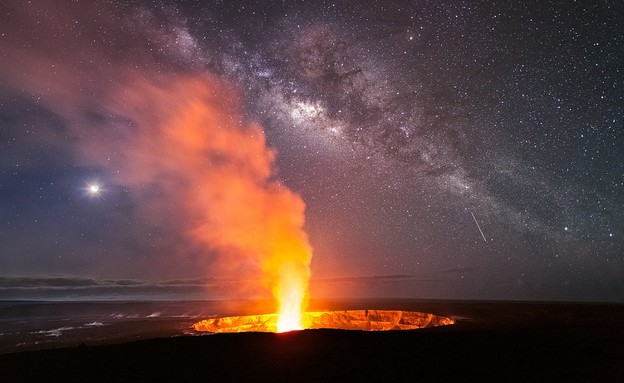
[(443, 149)]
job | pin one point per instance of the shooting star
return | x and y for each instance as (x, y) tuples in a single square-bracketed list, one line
[(478, 226)]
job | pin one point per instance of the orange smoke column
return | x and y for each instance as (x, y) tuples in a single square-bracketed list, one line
[(221, 171), (176, 140)]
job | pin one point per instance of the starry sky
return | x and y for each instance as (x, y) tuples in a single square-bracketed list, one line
[(443, 149)]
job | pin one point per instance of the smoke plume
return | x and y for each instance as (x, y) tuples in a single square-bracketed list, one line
[(173, 135)]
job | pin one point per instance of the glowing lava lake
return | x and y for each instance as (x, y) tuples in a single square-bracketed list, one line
[(365, 320)]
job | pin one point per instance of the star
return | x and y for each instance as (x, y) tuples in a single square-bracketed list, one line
[(94, 190)]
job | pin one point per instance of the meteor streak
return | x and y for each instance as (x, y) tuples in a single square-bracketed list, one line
[(478, 226)]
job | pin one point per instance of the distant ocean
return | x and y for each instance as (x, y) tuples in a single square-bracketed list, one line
[(28, 325)]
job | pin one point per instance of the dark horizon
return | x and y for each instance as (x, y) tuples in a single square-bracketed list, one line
[(60, 288)]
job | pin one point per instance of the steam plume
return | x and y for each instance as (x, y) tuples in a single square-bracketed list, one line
[(175, 138)]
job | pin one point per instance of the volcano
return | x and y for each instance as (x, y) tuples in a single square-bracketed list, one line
[(364, 320)]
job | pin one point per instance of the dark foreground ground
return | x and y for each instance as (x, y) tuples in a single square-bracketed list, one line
[(491, 342)]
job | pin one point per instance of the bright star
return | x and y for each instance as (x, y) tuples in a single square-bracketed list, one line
[(94, 190)]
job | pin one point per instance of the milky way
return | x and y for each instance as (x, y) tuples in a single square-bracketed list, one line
[(443, 149)]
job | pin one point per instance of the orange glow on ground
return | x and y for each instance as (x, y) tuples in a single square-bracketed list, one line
[(364, 320)]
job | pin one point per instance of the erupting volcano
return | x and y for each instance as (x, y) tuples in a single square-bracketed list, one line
[(250, 223)]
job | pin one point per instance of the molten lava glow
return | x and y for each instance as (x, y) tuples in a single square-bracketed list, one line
[(289, 321), (290, 294), (364, 320), (290, 288)]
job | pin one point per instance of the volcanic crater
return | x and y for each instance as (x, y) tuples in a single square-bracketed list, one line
[(364, 320)]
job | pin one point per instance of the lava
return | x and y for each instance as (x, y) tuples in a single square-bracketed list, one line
[(366, 320)]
